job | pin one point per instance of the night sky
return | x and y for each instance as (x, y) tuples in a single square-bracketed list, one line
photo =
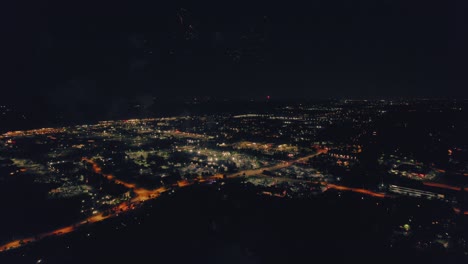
[(105, 51)]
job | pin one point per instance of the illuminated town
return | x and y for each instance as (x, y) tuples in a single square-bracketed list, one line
[(334, 152), (252, 132)]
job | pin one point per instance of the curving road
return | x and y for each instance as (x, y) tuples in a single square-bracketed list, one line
[(143, 194)]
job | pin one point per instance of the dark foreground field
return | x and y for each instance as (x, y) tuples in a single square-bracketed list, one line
[(202, 224)]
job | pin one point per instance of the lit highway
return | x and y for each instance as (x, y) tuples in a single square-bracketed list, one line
[(142, 195), (282, 165)]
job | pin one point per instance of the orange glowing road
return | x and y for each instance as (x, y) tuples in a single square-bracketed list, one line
[(458, 211), (275, 167), (357, 190), (287, 164), (57, 232), (247, 173), (141, 196), (110, 177), (443, 186)]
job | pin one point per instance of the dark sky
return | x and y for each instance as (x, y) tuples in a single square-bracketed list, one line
[(64, 52)]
